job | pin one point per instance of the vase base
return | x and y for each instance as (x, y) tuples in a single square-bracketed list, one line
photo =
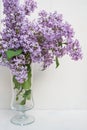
[(22, 120)]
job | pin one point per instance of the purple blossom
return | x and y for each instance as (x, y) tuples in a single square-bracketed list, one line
[(29, 7), (75, 51), (41, 40), (18, 68)]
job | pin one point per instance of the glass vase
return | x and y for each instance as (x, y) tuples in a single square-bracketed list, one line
[(22, 101)]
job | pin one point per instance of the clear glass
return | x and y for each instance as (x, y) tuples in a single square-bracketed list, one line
[(21, 118)]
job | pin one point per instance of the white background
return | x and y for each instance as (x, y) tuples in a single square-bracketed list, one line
[(65, 87)]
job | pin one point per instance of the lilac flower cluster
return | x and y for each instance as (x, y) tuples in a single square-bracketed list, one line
[(56, 37), (29, 6), (42, 41), (18, 64)]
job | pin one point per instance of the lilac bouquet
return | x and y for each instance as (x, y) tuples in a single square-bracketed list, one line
[(24, 42)]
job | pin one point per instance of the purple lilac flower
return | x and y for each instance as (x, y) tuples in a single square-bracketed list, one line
[(29, 7), (75, 51), (55, 35), (18, 68), (41, 41)]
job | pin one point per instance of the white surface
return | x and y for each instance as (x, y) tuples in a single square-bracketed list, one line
[(66, 87), (48, 120)]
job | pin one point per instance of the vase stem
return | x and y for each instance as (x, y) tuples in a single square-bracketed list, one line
[(22, 119)]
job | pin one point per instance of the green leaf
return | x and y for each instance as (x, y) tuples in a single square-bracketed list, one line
[(27, 94), (0, 55), (59, 44), (57, 62), (11, 53), (17, 31), (27, 84), (16, 83), (17, 98), (28, 67), (23, 102)]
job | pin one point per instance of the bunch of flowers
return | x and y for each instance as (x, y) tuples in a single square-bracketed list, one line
[(43, 40)]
